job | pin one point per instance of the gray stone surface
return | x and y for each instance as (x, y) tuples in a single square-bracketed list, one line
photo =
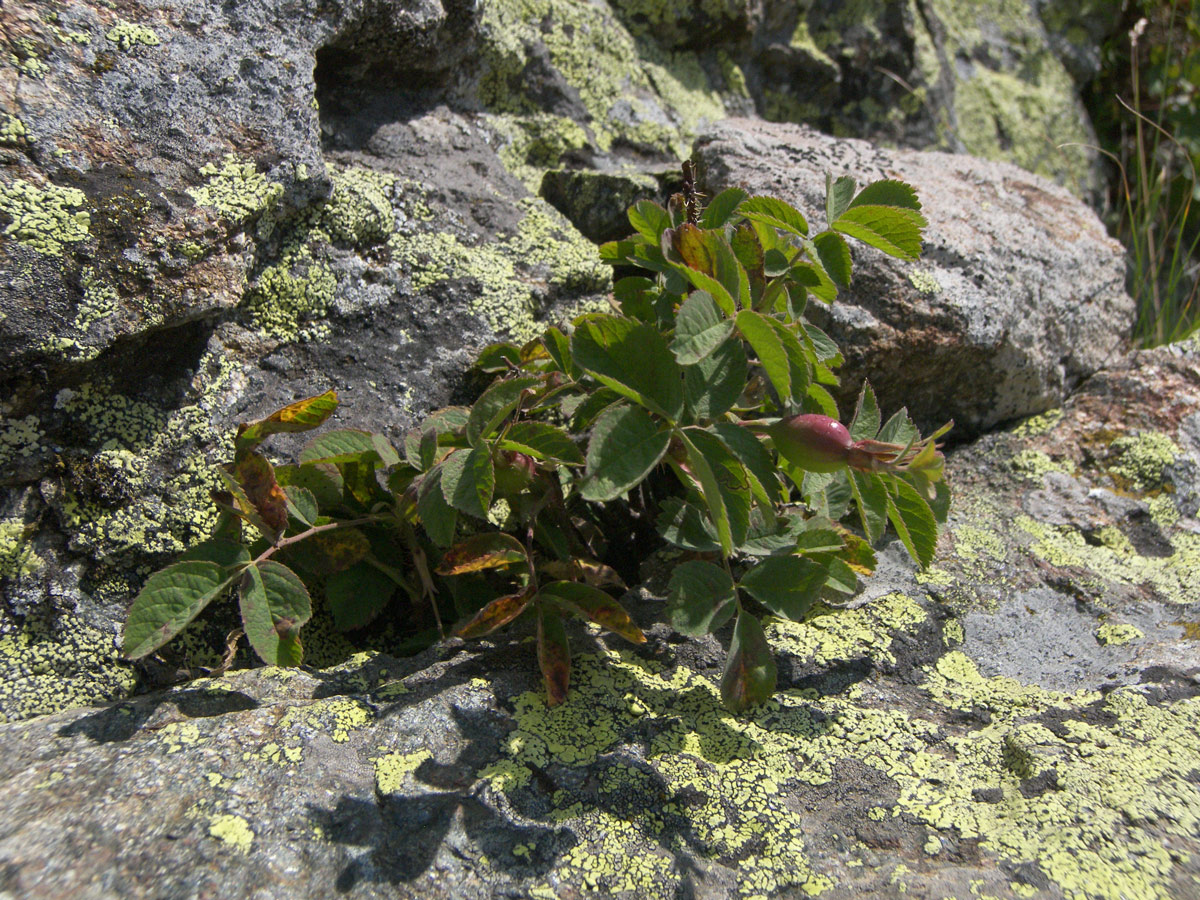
[(1016, 299)]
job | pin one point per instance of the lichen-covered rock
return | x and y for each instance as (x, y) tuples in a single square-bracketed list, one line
[(1019, 721), (1018, 297)]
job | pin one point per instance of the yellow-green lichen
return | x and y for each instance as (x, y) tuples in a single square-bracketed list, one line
[(633, 91), (925, 281), (232, 830), (44, 218), (12, 131), (286, 295), (1034, 464), (127, 35), (24, 56), (177, 735), (826, 637), (1141, 459), (505, 775), (393, 769), (45, 668), (360, 211), (236, 190), (337, 718), (531, 144), (17, 556), (1042, 423), (1171, 576), (1117, 633), (545, 242), (717, 778)]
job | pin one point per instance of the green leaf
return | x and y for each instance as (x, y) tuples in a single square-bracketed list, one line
[(838, 195), (275, 605), (346, 445), (323, 481), (331, 551), (387, 453), (722, 207), (865, 424), (814, 541), (301, 504), (589, 410), (724, 484), (750, 673), (495, 405), (437, 516), (817, 399), (713, 385), (468, 479), (775, 262), (699, 328), (913, 520), (635, 253), (498, 358), (799, 367), (824, 346), (226, 554), (814, 278), (632, 358), (649, 220), (593, 604), (748, 250), (768, 347), (558, 345), (775, 213), (554, 655), (834, 256), (700, 598), (705, 282), (899, 429), (428, 449), (897, 232), (357, 595), (542, 441), (444, 421), (871, 497), (748, 449), (888, 193), (496, 614), (303, 415), (491, 550), (684, 525), (626, 444), (169, 600), (786, 585)]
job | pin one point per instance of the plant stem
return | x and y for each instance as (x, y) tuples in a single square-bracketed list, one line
[(315, 529)]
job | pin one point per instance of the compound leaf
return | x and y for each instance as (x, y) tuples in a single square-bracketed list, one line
[(626, 444), (275, 605), (700, 598), (750, 672), (170, 599)]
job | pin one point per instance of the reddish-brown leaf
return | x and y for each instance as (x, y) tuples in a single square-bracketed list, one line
[(496, 614), (257, 479), (303, 415), (332, 551), (592, 603), (694, 248), (483, 551), (589, 571), (554, 656)]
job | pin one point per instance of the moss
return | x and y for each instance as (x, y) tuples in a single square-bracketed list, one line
[(127, 35), (236, 190), (1141, 460), (43, 218), (1117, 633), (232, 830), (12, 131), (17, 556)]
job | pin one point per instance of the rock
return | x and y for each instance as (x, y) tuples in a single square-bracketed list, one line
[(1018, 720), (1004, 314)]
